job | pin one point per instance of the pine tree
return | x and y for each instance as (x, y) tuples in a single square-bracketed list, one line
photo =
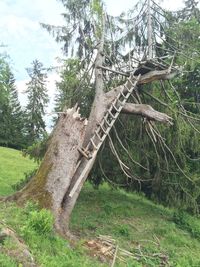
[(11, 119), (37, 101), (16, 113)]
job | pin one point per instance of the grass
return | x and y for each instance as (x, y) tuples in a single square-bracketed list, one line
[(12, 168), (156, 233), (135, 221)]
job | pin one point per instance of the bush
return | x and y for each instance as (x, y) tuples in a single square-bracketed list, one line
[(40, 222)]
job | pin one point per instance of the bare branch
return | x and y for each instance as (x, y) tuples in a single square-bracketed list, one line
[(146, 111), (149, 77), (157, 75)]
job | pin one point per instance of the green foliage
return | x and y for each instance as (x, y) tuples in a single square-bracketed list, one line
[(37, 150), (37, 101), (137, 224), (187, 223), (74, 88), (6, 261), (11, 115), (124, 230), (40, 222), (47, 249)]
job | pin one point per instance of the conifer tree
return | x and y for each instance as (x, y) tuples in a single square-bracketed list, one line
[(11, 119), (37, 101), (16, 113)]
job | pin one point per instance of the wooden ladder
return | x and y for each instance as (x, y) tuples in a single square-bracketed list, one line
[(103, 129)]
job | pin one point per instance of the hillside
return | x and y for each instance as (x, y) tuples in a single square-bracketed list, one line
[(12, 168), (145, 234)]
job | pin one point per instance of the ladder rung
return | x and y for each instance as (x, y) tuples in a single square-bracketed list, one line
[(93, 143), (125, 96), (108, 123), (117, 97), (83, 153), (115, 107), (129, 90), (97, 134), (111, 114), (103, 129), (133, 84)]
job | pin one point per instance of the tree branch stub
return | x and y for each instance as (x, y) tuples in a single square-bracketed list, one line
[(146, 111)]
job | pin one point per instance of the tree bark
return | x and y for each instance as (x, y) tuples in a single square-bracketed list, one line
[(146, 111), (61, 166)]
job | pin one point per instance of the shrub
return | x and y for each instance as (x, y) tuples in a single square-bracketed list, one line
[(40, 222)]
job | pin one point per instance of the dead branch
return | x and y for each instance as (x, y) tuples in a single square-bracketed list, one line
[(146, 111), (127, 152), (144, 79), (125, 169), (157, 75)]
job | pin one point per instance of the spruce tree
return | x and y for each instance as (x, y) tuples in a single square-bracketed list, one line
[(37, 101), (16, 113), (11, 119)]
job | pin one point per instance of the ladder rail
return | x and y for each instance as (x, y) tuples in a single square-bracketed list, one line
[(106, 131)]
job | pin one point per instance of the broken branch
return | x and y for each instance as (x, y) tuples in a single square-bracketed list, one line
[(146, 111)]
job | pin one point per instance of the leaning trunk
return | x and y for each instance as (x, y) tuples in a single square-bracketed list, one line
[(59, 170), (64, 165)]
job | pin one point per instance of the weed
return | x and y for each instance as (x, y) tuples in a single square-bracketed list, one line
[(39, 221)]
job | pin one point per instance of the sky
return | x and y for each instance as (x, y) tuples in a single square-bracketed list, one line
[(26, 40)]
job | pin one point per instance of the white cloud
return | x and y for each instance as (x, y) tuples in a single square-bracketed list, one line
[(21, 31), (18, 26)]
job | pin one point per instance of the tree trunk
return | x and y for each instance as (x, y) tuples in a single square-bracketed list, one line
[(61, 166), (58, 172)]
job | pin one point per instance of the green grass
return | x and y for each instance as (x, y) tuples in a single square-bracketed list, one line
[(133, 220), (155, 233), (12, 168)]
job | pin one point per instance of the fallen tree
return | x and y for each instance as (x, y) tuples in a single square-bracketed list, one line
[(71, 153), (58, 172)]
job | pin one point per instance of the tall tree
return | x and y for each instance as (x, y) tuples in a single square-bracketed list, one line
[(37, 101), (75, 141), (11, 113)]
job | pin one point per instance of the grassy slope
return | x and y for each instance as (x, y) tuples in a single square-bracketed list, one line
[(12, 168), (135, 223)]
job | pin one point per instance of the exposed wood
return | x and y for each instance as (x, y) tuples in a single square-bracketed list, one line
[(98, 107), (115, 256), (157, 75), (83, 153), (103, 129), (149, 31), (149, 77), (84, 174), (146, 111)]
